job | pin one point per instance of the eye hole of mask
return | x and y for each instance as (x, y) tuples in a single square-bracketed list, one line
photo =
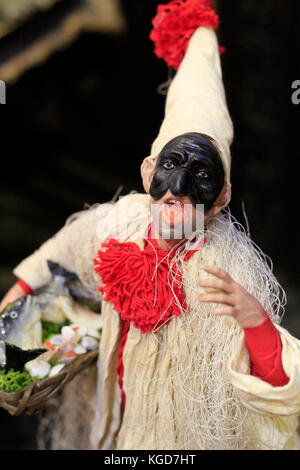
[(168, 166), (202, 174)]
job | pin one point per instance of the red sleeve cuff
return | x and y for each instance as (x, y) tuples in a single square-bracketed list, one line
[(265, 349), (262, 338), (26, 288)]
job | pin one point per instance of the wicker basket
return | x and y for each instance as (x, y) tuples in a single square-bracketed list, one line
[(36, 395)]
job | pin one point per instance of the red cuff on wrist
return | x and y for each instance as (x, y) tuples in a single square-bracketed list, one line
[(263, 337), (26, 288), (265, 349)]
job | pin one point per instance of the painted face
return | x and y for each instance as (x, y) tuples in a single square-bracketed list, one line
[(189, 166)]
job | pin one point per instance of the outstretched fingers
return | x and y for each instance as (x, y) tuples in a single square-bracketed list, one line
[(232, 299), (221, 280), (219, 290), (216, 284), (224, 310)]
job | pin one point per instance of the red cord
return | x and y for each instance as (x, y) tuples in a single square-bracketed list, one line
[(26, 288), (120, 365)]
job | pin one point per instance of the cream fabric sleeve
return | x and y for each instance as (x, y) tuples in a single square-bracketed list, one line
[(258, 395), (76, 245), (73, 247)]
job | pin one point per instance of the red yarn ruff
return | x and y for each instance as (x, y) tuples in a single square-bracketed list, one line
[(175, 23), (139, 284)]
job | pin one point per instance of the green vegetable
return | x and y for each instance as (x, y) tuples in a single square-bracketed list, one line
[(50, 329), (14, 380)]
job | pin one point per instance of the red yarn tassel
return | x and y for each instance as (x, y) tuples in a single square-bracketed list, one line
[(175, 23)]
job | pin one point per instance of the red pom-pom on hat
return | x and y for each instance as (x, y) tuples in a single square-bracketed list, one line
[(175, 23)]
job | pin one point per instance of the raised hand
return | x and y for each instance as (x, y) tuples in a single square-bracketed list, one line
[(234, 300)]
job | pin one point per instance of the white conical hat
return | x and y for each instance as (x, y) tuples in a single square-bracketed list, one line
[(196, 99)]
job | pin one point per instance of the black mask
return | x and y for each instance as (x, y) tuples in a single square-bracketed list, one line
[(189, 165)]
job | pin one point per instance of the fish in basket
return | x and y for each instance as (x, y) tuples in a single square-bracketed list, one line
[(45, 340)]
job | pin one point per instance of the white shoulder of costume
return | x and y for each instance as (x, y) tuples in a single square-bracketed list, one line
[(133, 198), (129, 218)]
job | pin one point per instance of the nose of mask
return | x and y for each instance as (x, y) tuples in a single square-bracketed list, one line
[(179, 182)]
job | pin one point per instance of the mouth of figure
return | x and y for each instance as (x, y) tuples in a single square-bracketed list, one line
[(173, 210)]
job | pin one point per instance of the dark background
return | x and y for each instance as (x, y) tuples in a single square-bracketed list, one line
[(77, 127)]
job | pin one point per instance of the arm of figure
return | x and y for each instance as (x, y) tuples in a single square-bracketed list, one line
[(14, 293), (63, 248), (76, 244), (261, 337), (73, 247), (279, 402), (21, 288)]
